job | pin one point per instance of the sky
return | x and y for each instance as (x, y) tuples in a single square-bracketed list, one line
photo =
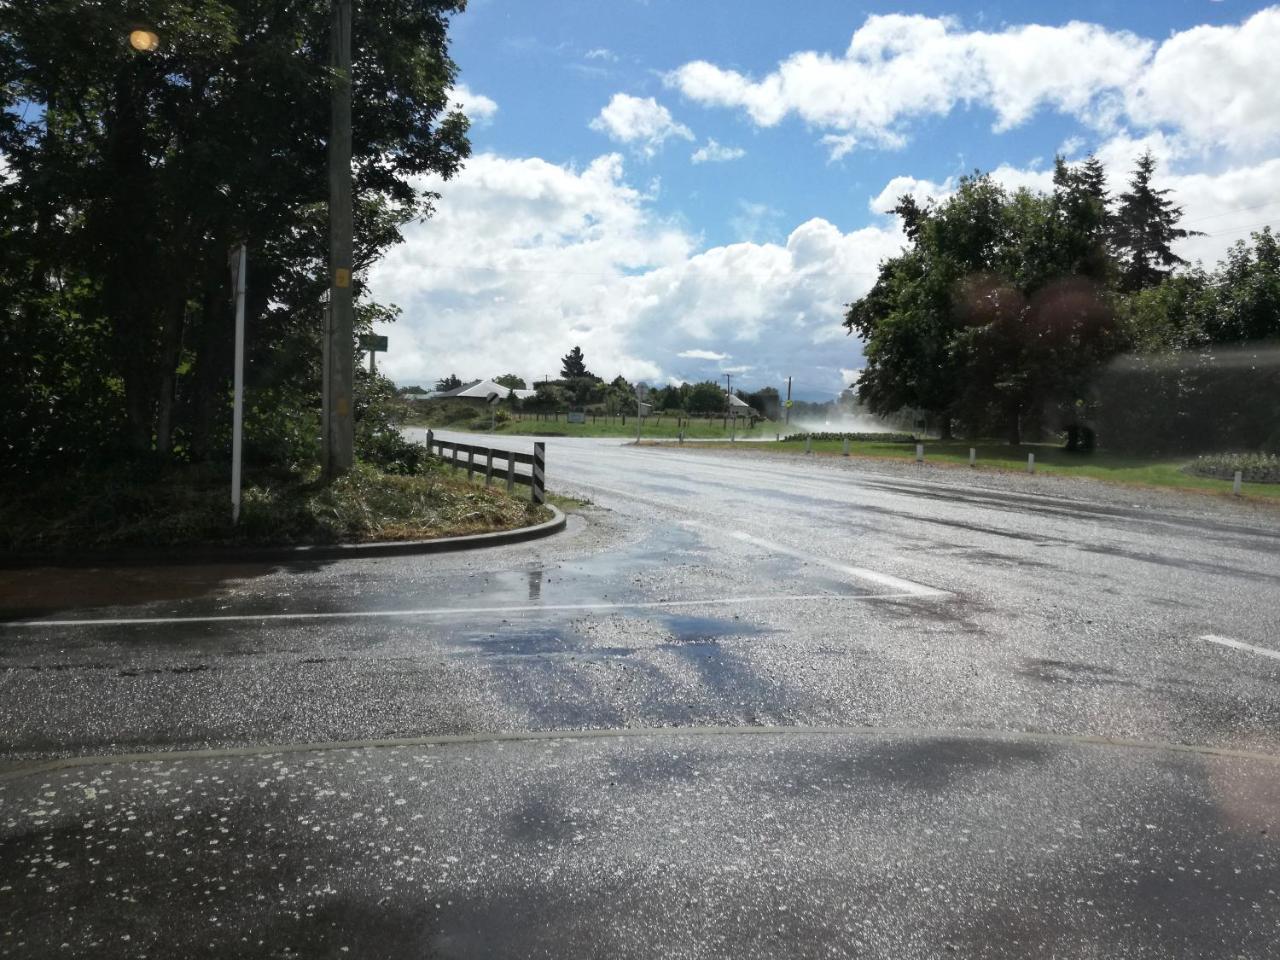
[(689, 189)]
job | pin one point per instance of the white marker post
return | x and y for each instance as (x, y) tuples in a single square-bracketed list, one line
[(919, 453), (1031, 463), (845, 451), (1235, 483), (973, 457), (239, 264)]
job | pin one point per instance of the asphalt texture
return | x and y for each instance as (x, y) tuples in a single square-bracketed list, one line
[(747, 705)]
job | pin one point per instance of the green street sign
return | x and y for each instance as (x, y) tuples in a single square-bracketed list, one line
[(373, 342), (788, 403)]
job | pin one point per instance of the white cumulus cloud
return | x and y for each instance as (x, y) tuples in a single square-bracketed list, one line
[(702, 355), (715, 152), (640, 121), (476, 106), (526, 258), (1214, 87)]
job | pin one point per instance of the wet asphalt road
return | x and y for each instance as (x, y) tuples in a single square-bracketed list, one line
[(900, 607)]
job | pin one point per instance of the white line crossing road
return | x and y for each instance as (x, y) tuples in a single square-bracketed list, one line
[(1241, 645)]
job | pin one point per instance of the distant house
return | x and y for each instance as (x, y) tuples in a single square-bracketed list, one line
[(740, 408), (416, 394), (478, 393)]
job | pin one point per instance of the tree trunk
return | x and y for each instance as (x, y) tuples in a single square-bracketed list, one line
[(945, 431), (1015, 426)]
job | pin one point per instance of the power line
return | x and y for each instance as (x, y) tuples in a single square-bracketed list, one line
[(1227, 213)]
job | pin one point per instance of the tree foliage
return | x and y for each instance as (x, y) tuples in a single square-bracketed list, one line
[(131, 175), (1005, 308)]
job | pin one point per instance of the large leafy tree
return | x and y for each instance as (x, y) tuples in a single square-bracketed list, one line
[(133, 172), (996, 312)]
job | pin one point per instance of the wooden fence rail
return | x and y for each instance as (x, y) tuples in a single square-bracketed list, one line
[(475, 458)]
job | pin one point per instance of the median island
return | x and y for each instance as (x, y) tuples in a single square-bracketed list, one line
[(137, 507)]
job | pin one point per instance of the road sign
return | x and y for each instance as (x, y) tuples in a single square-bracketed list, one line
[(371, 341), (642, 391), (788, 403)]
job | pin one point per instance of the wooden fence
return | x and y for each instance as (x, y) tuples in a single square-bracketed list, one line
[(475, 458)]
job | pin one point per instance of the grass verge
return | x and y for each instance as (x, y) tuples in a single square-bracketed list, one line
[(1050, 459), (190, 505)]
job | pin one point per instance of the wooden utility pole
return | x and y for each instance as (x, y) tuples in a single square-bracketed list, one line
[(341, 243)]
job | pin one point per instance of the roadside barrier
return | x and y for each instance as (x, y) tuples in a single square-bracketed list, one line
[(535, 479)]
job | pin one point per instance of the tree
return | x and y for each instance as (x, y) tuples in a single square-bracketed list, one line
[(766, 401), (135, 173), (451, 382), (706, 398), (573, 366), (1145, 227), (511, 380)]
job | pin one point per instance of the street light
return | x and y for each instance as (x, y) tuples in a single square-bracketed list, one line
[(144, 39)]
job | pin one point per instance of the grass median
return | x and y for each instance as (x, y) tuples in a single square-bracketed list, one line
[(1051, 459), (137, 507)]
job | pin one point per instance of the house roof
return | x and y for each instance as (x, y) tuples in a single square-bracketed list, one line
[(481, 389)]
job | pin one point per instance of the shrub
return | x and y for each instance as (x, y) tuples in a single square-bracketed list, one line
[(1253, 467)]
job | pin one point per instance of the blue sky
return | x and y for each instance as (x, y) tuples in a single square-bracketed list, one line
[(689, 188)]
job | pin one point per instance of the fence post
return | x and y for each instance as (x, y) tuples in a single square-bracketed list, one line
[(430, 437), (1235, 483), (973, 457), (1031, 463), (511, 474), (845, 451), (919, 453), (455, 458), (488, 470), (808, 444), (471, 463), (539, 485)]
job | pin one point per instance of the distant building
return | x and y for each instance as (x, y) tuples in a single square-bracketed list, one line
[(478, 392), (740, 408)]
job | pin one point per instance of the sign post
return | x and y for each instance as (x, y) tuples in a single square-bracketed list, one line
[(492, 400), (238, 261), (641, 392), (374, 344)]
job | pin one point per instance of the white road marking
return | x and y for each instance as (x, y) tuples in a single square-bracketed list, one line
[(461, 611), (1241, 645), (897, 584)]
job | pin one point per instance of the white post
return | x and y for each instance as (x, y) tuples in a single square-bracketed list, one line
[(808, 444), (1031, 463), (639, 417), (973, 457), (240, 264), (845, 451), (326, 343), (1235, 484), (919, 453), (733, 428)]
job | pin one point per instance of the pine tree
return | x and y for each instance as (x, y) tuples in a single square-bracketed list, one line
[(1144, 229), (573, 366)]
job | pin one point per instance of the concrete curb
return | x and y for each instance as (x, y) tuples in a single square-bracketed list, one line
[(307, 554)]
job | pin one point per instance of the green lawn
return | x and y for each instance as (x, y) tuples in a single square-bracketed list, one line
[(1050, 459)]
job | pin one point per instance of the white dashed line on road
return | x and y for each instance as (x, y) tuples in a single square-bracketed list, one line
[(1241, 645)]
